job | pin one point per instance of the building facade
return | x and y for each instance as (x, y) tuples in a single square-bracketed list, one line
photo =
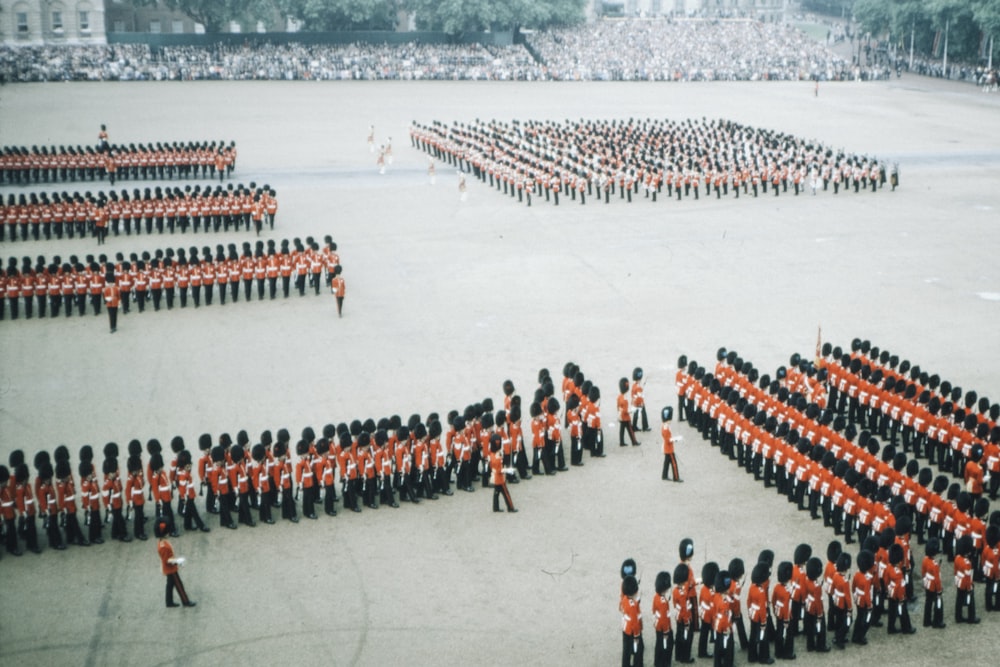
[(51, 22)]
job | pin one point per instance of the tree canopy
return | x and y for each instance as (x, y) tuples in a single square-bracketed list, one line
[(970, 24)]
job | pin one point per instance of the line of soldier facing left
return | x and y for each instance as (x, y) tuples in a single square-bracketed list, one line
[(370, 464)]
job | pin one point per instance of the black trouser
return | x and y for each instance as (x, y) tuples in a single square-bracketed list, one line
[(192, 519), (501, 489), (225, 510), (632, 650), (53, 532), (841, 623), (113, 317), (670, 463), (174, 581), (94, 525), (682, 651), (29, 530), (784, 641), (464, 476), (725, 647), (816, 633), (244, 511), (963, 600), (368, 491), (741, 631), (704, 636), (992, 595), (934, 610), (73, 532), (286, 283), (442, 479), (899, 612), (330, 498), (759, 650), (575, 451), (663, 652), (118, 529), (288, 504), (264, 507), (209, 292), (625, 426), (638, 415), (387, 496), (10, 536), (138, 522), (861, 625)]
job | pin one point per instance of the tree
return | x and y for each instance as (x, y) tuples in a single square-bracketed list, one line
[(986, 14), (216, 14), (874, 16), (334, 15), (459, 16)]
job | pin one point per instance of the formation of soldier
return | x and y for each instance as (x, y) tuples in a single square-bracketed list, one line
[(813, 433), (37, 216), (20, 165), (50, 287), (359, 464), (844, 597), (646, 158)]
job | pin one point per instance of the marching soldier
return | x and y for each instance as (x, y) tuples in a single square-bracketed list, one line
[(186, 493), (90, 493), (114, 500), (135, 498), (163, 492), (66, 494), (638, 401), (669, 456)]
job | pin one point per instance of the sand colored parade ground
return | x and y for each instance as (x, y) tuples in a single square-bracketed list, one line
[(445, 300)]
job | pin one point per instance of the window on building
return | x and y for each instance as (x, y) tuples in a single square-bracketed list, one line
[(177, 26), (118, 26), (57, 23), (154, 26), (84, 21), (22, 23), (234, 26)]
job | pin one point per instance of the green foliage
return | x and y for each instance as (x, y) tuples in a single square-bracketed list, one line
[(969, 23), (874, 16), (333, 15), (216, 14), (459, 16)]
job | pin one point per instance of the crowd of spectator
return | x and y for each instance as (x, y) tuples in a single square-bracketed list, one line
[(324, 62), (689, 50), (662, 49)]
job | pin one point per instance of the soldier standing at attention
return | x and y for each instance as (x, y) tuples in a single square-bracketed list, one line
[(112, 299), (632, 647)]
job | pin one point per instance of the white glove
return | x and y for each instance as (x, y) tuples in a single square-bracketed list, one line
[(180, 560)]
